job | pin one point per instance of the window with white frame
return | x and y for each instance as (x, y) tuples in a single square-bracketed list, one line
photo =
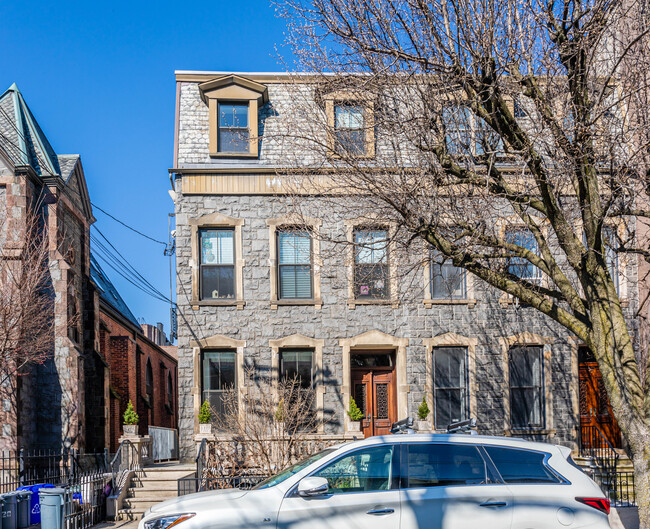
[(519, 266), (294, 264), (349, 129), (217, 266), (450, 385), (219, 376), (525, 365), (446, 280), (371, 272), (468, 134)]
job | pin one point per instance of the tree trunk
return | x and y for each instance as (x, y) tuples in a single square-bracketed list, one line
[(640, 447)]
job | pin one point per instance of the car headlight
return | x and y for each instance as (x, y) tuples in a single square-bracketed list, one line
[(166, 522)]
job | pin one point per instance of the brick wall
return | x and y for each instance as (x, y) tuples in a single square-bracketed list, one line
[(127, 351)]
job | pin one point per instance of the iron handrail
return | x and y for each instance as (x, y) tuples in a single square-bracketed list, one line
[(200, 463), (600, 449), (128, 451)]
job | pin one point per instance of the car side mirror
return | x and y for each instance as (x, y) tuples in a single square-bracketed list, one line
[(312, 486)]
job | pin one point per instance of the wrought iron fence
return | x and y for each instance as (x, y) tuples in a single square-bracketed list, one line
[(617, 486), (25, 467), (595, 445), (189, 485), (85, 501)]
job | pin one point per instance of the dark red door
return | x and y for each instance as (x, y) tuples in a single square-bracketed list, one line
[(595, 409), (374, 393)]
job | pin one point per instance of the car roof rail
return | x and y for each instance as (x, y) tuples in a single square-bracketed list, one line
[(468, 426), (403, 426)]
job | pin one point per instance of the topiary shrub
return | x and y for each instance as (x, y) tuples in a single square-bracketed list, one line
[(423, 410), (130, 416), (205, 413), (354, 412)]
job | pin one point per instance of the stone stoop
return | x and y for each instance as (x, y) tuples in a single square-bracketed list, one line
[(152, 485)]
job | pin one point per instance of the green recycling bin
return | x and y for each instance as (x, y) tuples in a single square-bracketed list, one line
[(51, 508), (23, 498), (9, 511)]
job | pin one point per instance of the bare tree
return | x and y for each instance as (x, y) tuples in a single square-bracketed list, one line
[(26, 303), (509, 136), (270, 426)]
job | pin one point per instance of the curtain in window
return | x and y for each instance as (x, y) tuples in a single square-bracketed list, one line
[(449, 385), (371, 264), (294, 269), (526, 387), (217, 263)]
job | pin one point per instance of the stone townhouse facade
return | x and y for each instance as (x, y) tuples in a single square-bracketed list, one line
[(256, 286)]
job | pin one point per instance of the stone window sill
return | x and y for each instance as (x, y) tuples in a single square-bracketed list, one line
[(352, 303), (239, 303), (233, 155), (317, 303), (428, 303)]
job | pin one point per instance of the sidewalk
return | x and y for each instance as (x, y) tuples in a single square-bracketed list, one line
[(121, 524)]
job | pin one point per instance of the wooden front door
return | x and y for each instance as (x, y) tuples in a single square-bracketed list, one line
[(374, 393), (595, 409)]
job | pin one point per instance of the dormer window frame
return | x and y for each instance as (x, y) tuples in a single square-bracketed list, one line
[(346, 98), (233, 89)]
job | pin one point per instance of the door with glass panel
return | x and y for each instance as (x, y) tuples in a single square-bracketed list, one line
[(363, 493), (450, 486), (373, 387), (219, 379)]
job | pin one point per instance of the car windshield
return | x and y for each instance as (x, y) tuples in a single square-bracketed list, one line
[(292, 470)]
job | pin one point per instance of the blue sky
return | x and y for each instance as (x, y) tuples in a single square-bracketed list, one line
[(99, 78)]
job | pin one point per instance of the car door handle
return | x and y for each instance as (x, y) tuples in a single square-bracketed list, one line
[(381, 511), (493, 504)]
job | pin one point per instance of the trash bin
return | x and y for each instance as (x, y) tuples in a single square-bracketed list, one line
[(24, 504), (34, 504), (51, 508), (9, 511)]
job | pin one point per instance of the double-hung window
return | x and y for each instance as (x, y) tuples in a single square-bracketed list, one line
[(234, 133), (219, 376), (298, 366), (610, 242), (450, 394), (371, 273), (217, 265), (467, 134), (519, 266), (294, 264), (349, 129), (526, 387), (446, 280)]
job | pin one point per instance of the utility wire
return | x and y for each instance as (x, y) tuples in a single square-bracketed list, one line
[(127, 226)]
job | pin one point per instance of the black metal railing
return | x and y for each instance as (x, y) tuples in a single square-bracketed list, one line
[(57, 467), (190, 485), (594, 445), (617, 486)]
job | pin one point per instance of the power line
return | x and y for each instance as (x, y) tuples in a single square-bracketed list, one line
[(127, 226)]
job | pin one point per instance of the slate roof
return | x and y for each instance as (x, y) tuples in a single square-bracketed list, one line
[(109, 293), (22, 137), (67, 163)]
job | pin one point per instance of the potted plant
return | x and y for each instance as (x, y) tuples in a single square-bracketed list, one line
[(130, 419), (355, 415), (205, 418), (423, 413)]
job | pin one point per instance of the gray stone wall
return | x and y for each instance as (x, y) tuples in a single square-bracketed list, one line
[(488, 321)]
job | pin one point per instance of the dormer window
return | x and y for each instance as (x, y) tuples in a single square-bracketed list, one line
[(234, 134), (233, 106), (348, 128)]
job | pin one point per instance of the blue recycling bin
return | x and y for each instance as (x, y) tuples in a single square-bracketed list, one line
[(9, 510), (34, 504), (24, 502), (52, 500)]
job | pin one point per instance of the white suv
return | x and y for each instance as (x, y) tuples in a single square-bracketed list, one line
[(406, 482)]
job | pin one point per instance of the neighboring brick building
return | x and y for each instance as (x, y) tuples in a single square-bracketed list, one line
[(34, 178), (409, 339), (138, 369)]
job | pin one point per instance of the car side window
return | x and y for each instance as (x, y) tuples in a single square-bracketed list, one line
[(521, 466), (362, 471), (439, 465)]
